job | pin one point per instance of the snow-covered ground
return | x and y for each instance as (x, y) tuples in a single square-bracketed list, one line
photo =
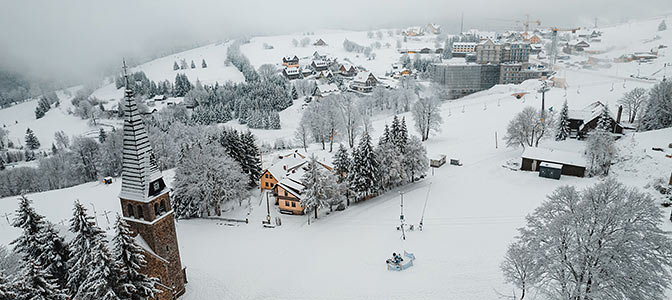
[(472, 211)]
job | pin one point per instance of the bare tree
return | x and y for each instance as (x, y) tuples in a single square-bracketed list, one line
[(352, 118), (526, 128), (267, 71), (427, 117), (633, 101), (305, 42), (519, 267), (604, 242), (302, 135)]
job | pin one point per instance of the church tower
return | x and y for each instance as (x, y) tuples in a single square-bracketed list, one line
[(145, 204)]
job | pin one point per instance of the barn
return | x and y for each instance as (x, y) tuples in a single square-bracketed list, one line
[(572, 163)]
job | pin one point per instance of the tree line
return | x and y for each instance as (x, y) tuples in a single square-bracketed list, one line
[(86, 267)]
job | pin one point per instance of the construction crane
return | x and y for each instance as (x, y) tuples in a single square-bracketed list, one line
[(554, 45), (526, 23)]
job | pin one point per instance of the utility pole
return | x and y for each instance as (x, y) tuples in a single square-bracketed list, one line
[(94, 213), (496, 146), (544, 88), (268, 210), (401, 217), (6, 215)]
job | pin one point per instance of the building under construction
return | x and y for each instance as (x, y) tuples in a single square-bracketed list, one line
[(465, 78)]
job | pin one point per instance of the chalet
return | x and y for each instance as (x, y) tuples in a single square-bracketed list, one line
[(291, 73), (325, 75), (347, 70), (364, 82), (160, 98), (535, 39), (307, 71), (434, 28), (284, 178), (318, 56), (319, 42), (319, 65), (425, 50), (414, 31), (289, 61), (581, 122), (438, 50), (570, 163), (644, 55), (324, 90), (284, 164)]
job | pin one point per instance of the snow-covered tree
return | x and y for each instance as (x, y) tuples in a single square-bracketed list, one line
[(175, 66), (302, 135), (386, 137), (427, 116), (206, 177), (8, 290), (102, 135), (32, 143), (604, 121), (342, 162), (520, 269), (295, 42), (267, 71), (34, 284), (54, 255), (28, 244), (562, 129), (662, 26), (351, 118), (92, 272), (295, 94), (250, 161), (390, 166), (62, 140), (182, 85), (315, 192), (604, 242), (526, 128), (600, 151), (658, 113), (363, 176), (633, 102), (204, 64), (193, 65), (130, 258), (415, 159)]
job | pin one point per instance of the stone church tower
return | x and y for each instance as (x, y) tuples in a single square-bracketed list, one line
[(145, 204)]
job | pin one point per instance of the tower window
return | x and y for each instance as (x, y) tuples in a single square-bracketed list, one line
[(129, 207), (163, 205), (140, 212), (156, 209)]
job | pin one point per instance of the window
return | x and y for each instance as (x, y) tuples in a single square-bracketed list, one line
[(266, 183), (285, 193), (287, 203), (129, 207), (156, 209), (266, 175), (157, 186), (163, 205), (293, 204), (140, 212)]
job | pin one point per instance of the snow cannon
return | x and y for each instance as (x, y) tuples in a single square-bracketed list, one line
[(399, 263)]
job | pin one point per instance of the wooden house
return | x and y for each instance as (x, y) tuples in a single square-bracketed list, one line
[(347, 70), (289, 61), (288, 193), (285, 164), (364, 82), (570, 163), (319, 65), (324, 90), (434, 28), (318, 56), (535, 39), (325, 75), (306, 71), (581, 122), (319, 42), (291, 73), (425, 50)]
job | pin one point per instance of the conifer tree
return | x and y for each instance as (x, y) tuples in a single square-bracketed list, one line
[(250, 161), (315, 193), (39, 113), (34, 284), (32, 143), (402, 136), (102, 135), (364, 172), (8, 291), (130, 258), (604, 122), (193, 65), (562, 132), (175, 66), (203, 64), (662, 26), (54, 256), (394, 129), (30, 223), (386, 137), (92, 274), (2, 162), (342, 162)]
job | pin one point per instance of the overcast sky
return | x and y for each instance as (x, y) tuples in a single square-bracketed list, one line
[(81, 38)]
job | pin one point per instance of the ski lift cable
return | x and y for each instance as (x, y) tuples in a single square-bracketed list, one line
[(422, 218)]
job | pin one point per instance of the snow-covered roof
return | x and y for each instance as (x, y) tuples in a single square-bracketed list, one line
[(143, 244), (320, 63), (281, 167), (555, 156), (292, 186), (292, 71), (327, 88), (363, 76), (550, 165)]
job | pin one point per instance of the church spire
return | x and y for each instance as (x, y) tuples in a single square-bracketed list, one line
[(141, 179)]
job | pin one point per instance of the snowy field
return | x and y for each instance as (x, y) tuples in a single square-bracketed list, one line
[(471, 216)]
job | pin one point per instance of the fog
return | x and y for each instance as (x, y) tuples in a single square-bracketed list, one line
[(76, 40)]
